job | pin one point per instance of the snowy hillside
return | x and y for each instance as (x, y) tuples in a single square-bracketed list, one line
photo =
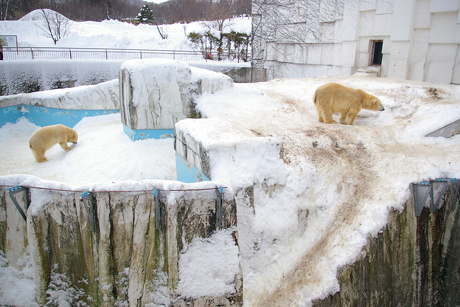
[(113, 34)]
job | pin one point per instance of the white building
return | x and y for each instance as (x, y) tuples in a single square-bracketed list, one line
[(404, 39)]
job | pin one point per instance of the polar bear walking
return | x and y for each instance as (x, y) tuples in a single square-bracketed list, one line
[(46, 137), (333, 98)]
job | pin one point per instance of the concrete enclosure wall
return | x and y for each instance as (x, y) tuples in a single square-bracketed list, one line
[(129, 257), (61, 106), (41, 75), (299, 38)]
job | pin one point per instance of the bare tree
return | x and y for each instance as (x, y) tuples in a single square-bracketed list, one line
[(55, 25), (221, 12), (4, 4)]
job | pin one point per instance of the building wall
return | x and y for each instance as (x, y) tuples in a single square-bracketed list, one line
[(299, 38)]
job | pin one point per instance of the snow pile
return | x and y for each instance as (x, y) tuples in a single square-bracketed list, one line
[(17, 287), (207, 267), (113, 34)]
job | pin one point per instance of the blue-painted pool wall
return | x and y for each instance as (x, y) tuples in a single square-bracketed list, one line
[(186, 173), (44, 116), (142, 134)]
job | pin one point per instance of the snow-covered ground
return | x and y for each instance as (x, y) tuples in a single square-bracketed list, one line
[(101, 147), (113, 34), (313, 210)]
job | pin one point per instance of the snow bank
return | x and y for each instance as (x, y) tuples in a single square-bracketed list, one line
[(17, 287), (114, 34), (208, 266)]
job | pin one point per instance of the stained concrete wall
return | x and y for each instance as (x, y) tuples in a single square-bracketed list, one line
[(156, 94), (61, 106), (126, 259), (301, 38), (414, 261)]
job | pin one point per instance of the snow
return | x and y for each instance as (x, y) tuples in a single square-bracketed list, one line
[(208, 266), (314, 209), (101, 146), (17, 287), (113, 34)]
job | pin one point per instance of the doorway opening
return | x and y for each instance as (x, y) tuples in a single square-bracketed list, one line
[(377, 55)]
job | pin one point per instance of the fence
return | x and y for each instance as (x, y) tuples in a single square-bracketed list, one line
[(55, 53)]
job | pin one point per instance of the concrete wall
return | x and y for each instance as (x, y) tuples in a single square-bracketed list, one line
[(126, 259), (40, 75), (420, 39), (156, 94), (61, 106)]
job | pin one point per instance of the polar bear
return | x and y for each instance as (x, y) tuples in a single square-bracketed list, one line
[(46, 137), (333, 98)]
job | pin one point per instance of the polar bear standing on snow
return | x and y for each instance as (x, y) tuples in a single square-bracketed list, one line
[(333, 98), (46, 137)]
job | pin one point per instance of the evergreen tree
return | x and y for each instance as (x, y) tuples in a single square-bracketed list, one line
[(145, 15)]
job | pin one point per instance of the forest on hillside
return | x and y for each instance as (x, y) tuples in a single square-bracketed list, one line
[(171, 11)]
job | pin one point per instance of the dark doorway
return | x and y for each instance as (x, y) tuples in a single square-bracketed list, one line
[(377, 52)]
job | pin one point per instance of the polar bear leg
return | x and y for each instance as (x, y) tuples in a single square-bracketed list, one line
[(64, 146), (327, 116), (351, 117), (343, 118), (39, 155)]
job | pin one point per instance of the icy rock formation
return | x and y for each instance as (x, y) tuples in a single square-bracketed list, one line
[(157, 93)]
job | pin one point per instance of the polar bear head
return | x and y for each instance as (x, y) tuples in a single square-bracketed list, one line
[(373, 103), (72, 136)]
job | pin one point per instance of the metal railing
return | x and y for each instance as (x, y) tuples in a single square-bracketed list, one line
[(57, 53)]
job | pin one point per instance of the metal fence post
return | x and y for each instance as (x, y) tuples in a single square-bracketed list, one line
[(220, 198), (18, 189), (157, 209)]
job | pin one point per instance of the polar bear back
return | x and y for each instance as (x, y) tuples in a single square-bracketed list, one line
[(47, 137)]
